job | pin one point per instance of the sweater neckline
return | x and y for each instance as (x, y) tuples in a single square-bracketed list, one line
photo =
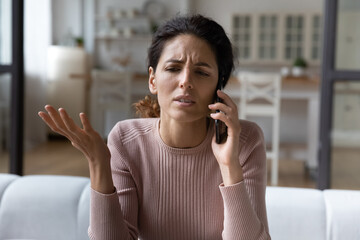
[(198, 148)]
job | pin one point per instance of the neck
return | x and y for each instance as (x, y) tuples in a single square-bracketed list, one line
[(183, 134)]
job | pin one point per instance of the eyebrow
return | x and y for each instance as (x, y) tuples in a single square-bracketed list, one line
[(200, 64)]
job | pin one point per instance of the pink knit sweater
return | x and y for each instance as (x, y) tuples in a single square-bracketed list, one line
[(172, 193)]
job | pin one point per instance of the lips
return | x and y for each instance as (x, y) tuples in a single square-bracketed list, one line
[(184, 99)]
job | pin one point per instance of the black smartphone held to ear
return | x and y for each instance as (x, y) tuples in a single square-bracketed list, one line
[(220, 127)]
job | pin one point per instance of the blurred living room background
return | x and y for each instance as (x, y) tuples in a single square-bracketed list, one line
[(90, 56)]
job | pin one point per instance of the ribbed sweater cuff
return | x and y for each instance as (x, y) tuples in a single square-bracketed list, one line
[(106, 213), (240, 220), (103, 194)]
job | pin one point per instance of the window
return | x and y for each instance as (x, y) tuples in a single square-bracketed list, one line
[(12, 65), (242, 37), (294, 37), (5, 32), (340, 96), (316, 38), (277, 38), (267, 37)]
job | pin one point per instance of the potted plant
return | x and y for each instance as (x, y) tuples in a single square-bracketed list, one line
[(299, 67), (79, 41)]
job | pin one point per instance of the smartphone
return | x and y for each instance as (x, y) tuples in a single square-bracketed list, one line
[(220, 127)]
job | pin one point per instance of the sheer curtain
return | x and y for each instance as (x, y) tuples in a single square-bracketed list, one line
[(5, 32), (37, 38)]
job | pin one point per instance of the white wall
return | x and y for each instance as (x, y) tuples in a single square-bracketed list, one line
[(37, 37), (66, 17), (348, 39)]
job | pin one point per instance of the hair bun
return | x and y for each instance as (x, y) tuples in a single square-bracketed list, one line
[(147, 108)]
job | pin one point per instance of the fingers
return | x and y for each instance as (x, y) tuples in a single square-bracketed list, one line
[(228, 112), (55, 117), (222, 116), (68, 121), (49, 121), (60, 123), (227, 108), (87, 140), (226, 99), (85, 122)]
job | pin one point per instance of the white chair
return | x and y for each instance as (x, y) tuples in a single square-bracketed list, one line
[(260, 97), (110, 92)]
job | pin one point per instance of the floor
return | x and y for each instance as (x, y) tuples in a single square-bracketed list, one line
[(59, 157), (345, 168)]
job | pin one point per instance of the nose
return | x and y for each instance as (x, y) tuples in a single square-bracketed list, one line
[(185, 80)]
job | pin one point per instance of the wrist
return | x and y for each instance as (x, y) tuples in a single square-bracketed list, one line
[(100, 177), (231, 174)]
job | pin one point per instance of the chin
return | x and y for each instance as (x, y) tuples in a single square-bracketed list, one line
[(188, 116)]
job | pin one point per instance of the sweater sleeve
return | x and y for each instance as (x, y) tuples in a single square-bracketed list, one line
[(114, 216), (244, 203)]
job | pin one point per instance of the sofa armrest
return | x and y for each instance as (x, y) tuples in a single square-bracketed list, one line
[(5, 181), (45, 207), (296, 213)]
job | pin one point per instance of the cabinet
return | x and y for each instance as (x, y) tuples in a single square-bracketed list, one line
[(270, 38)]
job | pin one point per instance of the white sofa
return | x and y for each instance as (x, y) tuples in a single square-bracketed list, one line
[(57, 207)]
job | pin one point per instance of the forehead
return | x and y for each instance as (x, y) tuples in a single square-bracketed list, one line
[(189, 46)]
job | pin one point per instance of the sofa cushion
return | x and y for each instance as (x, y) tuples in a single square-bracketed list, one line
[(296, 213), (44, 207), (343, 214)]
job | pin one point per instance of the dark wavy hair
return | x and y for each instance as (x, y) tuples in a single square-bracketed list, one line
[(201, 27)]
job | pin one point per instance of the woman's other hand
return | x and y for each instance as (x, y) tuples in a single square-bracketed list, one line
[(227, 152), (87, 140)]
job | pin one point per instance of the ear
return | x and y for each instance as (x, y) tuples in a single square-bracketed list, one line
[(152, 81)]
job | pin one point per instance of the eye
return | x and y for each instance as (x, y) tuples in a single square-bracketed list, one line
[(172, 69), (202, 73)]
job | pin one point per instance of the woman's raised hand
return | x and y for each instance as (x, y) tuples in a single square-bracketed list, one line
[(88, 141), (227, 152)]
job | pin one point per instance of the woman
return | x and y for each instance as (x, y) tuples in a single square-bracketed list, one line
[(166, 177)]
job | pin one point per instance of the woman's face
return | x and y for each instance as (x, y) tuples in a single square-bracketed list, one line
[(185, 79)]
